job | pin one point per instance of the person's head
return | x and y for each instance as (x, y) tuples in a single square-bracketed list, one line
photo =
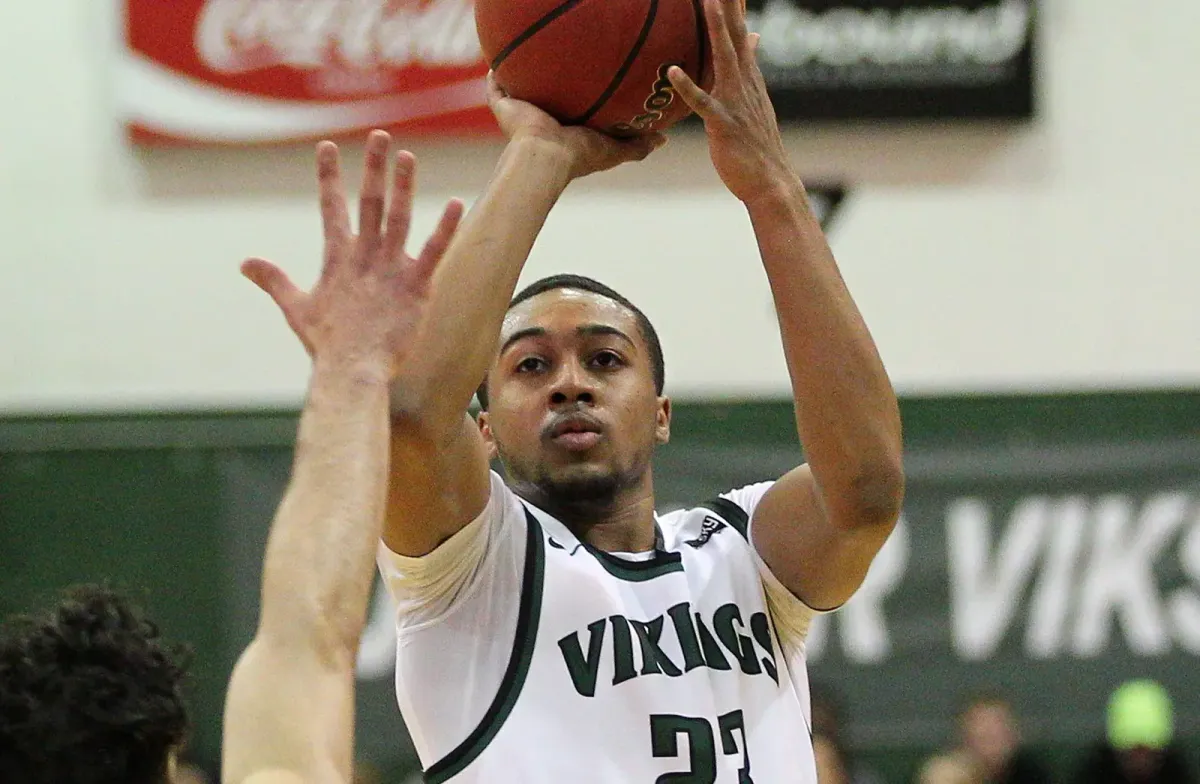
[(573, 403), (89, 694), (1140, 727), (989, 731)]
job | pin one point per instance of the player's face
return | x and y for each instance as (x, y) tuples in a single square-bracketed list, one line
[(572, 408)]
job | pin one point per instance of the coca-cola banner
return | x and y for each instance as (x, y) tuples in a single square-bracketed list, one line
[(897, 59), (252, 71), (260, 71)]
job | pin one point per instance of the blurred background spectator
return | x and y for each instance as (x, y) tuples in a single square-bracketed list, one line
[(989, 748), (837, 763), (1138, 747)]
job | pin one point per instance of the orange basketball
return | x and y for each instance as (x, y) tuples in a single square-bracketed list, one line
[(600, 63)]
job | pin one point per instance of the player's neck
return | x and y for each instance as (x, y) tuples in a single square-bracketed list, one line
[(622, 524), (626, 528)]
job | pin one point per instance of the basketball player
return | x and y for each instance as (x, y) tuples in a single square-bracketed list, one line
[(91, 695), (551, 627), (289, 712)]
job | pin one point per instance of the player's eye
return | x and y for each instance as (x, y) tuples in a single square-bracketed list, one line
[(531, 365), (607, 359)]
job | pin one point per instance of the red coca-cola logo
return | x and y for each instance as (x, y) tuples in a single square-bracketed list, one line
[(234, 36), (415, 64)]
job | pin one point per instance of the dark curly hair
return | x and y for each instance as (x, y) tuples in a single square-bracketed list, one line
[(89, 694)]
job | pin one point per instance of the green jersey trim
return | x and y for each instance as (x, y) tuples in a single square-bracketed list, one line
[(528, 615), (637, 571)]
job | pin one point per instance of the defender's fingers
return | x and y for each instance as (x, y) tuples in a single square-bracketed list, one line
[(335, 220), (374, 187), (274, 282), (435, 247), (280, 288), (399, 216)]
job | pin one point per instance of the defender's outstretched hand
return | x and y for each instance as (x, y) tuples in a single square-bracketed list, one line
[(590, 150), (369, 299), (743, 134)]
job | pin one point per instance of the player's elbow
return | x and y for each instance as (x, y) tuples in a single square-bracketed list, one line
[(873, 497)]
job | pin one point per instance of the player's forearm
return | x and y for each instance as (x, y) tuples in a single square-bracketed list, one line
[(846, 409), (477, 278), (319, 564)]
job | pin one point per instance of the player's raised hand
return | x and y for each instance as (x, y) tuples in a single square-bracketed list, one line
[(743, 134), (367, 305), (591, 151)]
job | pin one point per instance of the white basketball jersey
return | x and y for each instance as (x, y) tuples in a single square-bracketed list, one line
[(637, 671)]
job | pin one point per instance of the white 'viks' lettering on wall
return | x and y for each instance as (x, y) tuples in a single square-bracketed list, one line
[(1096, 576)]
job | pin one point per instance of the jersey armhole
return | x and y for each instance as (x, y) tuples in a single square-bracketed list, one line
[(524, 641)]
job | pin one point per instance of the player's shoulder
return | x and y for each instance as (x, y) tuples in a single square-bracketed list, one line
[(696, 525)]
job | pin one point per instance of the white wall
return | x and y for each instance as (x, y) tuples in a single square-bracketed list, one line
[(1062, 254)]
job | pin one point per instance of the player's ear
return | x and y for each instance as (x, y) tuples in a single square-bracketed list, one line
[(662, 423), (485, 430)]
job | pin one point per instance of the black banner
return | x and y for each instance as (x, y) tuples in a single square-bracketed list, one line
[(1053, 572), (897, 59)]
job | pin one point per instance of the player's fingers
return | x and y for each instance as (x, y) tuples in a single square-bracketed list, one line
[(374, 189), (400, 209), (494, 91), (435, 247), (735, 17), (495, 99), (334, 218), (752, 64), (699, 101), (725, 58), (644, 145)]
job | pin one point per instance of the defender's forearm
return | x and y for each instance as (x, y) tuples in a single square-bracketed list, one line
[(319, 565)]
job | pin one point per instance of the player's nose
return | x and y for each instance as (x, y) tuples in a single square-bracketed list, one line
[(572, 383)]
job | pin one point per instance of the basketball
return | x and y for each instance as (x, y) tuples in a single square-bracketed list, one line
[(599, 63)]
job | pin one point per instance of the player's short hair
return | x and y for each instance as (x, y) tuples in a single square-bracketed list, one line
[(581, 283), (89, 694)]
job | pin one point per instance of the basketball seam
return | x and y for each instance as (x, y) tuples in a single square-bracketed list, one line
[(533, 30), (623, 70)]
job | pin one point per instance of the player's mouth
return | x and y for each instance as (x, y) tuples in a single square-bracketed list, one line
[(575, 432)]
